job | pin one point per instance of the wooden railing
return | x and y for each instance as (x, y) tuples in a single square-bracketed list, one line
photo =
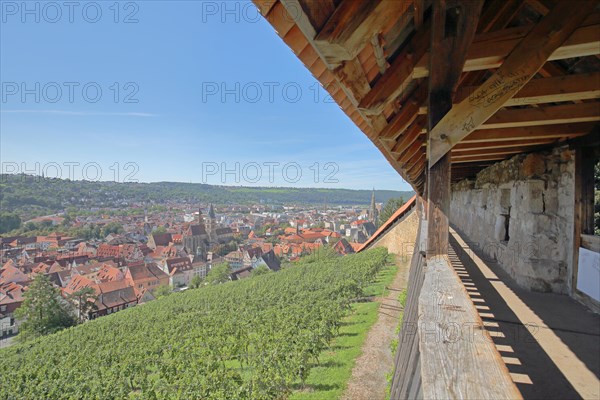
[(444, 351), (406, 383)]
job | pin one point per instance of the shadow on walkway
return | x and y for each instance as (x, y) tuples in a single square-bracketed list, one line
[(549, 343)]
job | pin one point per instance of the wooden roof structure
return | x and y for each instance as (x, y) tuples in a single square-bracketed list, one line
[(521, 75)]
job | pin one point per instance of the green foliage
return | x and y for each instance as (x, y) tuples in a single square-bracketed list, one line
[(250, 339), (260, 270), (195, 282), (325, 253), (43, 310), (84, 301), (162, 291), (9, 222), (160, 230), (390, 207), (218, 274)]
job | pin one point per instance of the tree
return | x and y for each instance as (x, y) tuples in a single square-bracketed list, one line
[(219, 274), (260, 270), (196, 281), (159, 230), (112, 227), (9, 222), (43, 310), (162, 291), (84, 301), (390, 207)]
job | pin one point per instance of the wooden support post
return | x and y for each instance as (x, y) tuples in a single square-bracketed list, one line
[(453, 28)]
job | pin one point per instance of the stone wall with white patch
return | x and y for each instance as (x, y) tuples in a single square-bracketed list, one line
[(520, 212)]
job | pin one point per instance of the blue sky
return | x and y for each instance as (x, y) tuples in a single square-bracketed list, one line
[(182, 91)]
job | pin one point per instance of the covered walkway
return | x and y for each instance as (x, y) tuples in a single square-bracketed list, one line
[(549, 342)]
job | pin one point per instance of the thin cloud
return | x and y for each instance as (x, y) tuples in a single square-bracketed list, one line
[(79, 113)]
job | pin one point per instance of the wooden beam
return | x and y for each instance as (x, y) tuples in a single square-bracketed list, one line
[(546, 115), (520, 66), (530, 133), (501, 144), (544, 90), (453, 28), (479, 158), (547, 90), (353, 24)]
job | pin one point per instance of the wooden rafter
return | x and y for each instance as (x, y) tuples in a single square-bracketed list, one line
[(520, 66)]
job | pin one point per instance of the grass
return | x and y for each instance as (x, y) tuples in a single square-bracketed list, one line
[(329, 379)]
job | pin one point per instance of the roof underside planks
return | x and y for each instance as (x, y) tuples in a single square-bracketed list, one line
[(372, 56)]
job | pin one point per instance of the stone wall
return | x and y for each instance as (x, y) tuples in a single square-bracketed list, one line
[(520, 212), (400, 239)]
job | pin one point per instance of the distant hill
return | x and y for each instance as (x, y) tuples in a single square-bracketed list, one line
[(33, 195)]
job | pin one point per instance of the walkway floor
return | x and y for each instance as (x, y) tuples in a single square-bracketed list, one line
[(550, 343), (368, 380)]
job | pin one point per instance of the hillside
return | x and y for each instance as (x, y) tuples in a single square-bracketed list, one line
[(28, 195), (256, 338)]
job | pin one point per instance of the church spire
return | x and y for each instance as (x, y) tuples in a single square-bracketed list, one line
[(211, 212), (373, 208)]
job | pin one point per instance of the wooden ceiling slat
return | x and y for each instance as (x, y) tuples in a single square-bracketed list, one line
[(548, 90), (529, 132), (502, 144), (546, 115)]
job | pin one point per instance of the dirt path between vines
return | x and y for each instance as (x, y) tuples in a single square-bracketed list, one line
[(368, 380)]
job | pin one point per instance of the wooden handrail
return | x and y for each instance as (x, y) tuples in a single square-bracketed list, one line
[(444, 351)]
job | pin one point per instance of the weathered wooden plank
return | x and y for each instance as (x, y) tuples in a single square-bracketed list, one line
[(546, 115), (458, 358), (530, 132), (520, 66), (547, 90), (502, 144)]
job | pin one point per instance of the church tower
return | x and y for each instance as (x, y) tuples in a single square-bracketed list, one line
[(373, 214), (211, 225)]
